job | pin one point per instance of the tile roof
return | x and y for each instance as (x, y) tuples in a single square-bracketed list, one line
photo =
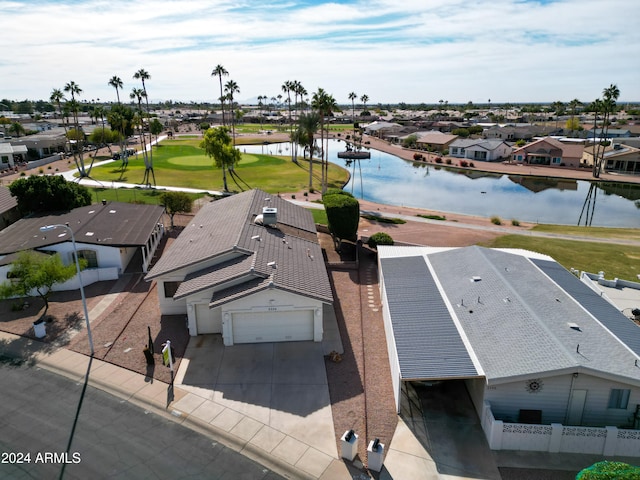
[(525, 317), (7, 201), (288, 254), (113, 224)]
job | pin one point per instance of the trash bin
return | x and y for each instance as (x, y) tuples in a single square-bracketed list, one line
[(39, 329), (349, 442), (375, 454)]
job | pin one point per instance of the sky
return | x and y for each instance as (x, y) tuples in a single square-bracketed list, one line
[(411, 51)]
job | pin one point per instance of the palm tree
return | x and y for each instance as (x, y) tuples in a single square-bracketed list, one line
[(324, 104), (74, 107), (143, 75), (573, 105), (116, 82), (231, 87), (219, 72), (305, 134), (364, 99), (287, 87), (138, 94), (607, 105), (17, 128), (353, 97)]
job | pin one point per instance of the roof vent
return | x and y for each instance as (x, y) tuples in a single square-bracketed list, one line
[(269, 215), (272, 264), (259, 220), (476, 278), (574, 326)]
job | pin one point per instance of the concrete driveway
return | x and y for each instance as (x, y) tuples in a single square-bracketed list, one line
[(273, 395)]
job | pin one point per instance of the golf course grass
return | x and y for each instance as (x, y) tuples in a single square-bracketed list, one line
[(182, 163)]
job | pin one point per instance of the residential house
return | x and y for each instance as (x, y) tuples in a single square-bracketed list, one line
[(44, 144), (11, 155), (611, 133), (110, 237), (618, 158), (8, 208), (434, 141), (549, 151), (382, 129), (531, 342), (513, 133), (480, 149), (249, 267)]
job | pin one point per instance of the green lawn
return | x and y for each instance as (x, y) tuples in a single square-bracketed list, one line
[(182, 163), (131, 195), (595, 232), (616, 261)]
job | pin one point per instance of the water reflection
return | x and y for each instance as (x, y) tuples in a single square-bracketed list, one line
[(389, 180)]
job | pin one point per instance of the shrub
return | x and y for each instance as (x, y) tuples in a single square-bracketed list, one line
[(515, 223), (49, 167), (471, 165), (417, 156), (448, 161), (379, 238), (343, 215), (464, 163), (438, 160), (432, 217), (376, 218), (40, 170), (496, 220)]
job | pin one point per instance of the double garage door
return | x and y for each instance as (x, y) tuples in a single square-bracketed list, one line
[(284, 326)]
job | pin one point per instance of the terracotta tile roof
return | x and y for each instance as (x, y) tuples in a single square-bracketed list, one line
[(286, 255)]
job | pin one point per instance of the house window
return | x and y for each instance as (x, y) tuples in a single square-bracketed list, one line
[(90, 257), (619, 398), (170, 289), (5, 159), (519, 158), (557, 160)]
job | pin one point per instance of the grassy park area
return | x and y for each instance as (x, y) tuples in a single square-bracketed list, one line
[(615, 260), (182, 163)]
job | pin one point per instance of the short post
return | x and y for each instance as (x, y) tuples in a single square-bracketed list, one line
[(375, 455), (349, 442)]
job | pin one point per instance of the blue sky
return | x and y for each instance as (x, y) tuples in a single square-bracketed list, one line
[(408, 51)]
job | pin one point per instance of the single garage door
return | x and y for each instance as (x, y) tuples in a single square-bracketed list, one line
[(289, 326), (206, 319)]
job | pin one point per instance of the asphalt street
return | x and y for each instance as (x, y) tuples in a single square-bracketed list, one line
[(52, 427)]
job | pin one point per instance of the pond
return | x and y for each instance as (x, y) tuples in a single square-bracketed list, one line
[(390, 180)]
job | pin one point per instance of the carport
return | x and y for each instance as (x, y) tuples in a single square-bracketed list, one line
[(425, 341)]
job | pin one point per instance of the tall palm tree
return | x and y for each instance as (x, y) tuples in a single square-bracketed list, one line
[(116, 82), (364, 99), (307, 128), (324, 104), (143, 75), (74, 107), (56, 97), (353, 97), (231, 87), (219, 72), (607, 106), (287, 87), (138, 94), (573, 105)]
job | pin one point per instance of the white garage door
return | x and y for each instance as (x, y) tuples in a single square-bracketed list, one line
[(273, 326), (206, 320)]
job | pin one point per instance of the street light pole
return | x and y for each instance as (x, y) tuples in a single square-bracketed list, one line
[(84, 300)]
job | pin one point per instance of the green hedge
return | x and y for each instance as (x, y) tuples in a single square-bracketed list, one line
[(343, 215)]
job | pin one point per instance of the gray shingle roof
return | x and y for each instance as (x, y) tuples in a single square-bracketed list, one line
[(288, 253), (114, 224), (427, 340), (518, 319), (522, 315)]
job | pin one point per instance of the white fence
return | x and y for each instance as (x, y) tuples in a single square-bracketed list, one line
[(555, 438)]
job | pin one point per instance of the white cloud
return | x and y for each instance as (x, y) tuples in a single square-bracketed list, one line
[(411, 51)]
